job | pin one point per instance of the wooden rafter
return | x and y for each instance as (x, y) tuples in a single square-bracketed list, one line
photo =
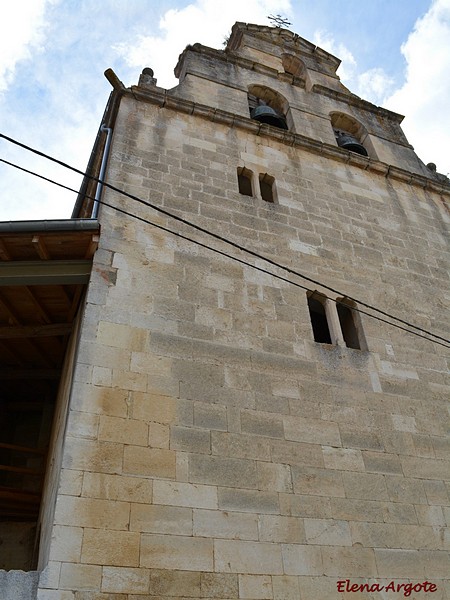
[(37, 303), (13, 316), (33, 331), (41, 248), (23, 449), (93, 244), (14, 355), (4, 253), (66, 295), (30, 374), (75, 303)]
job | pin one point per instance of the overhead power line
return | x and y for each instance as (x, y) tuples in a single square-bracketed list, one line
[(222, 239), (220, 252)]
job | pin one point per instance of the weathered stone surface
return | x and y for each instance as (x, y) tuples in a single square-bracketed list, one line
[(19, 585), (247, 557), (211, 448), (176, 552)]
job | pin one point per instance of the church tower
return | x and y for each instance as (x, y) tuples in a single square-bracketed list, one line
[(259, 397)]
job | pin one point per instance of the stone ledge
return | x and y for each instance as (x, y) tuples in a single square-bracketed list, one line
[(164, 99)]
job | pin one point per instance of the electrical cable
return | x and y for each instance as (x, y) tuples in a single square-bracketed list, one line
[(182, 236), (218, 237)]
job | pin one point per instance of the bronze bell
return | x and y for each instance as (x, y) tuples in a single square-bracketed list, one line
[(266, 114), (348, 142)]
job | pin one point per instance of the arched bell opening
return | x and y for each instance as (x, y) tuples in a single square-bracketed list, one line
[(350, 135), (268, 106), (292, 65)]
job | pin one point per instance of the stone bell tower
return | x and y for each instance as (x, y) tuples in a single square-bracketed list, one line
[(238, 428)]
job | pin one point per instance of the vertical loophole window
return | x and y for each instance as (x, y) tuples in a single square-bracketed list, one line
[(266, 185), (319, 321), (245, 181), (348, 326)]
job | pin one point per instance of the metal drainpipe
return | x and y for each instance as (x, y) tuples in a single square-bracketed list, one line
[(98, 192)]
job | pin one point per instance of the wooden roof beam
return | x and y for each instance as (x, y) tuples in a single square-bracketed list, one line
[(51, 272), (16, 357), (30, 374), (4, 253), (13, 317), (38, 305), (40, 247), (33, 331), (93, 244)]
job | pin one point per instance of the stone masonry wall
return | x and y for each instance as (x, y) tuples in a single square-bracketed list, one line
[(214, 450)]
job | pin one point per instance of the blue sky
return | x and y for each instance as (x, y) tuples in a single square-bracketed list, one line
[(395, 53)]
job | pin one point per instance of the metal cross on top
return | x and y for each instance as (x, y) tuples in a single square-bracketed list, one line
[(279, 21)]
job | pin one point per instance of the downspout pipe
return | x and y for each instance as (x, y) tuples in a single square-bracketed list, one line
[(98, 192), (96, 159)]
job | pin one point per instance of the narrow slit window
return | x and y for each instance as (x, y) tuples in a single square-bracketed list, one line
[(245, 181), (319, 321), (348, 326), (266, 185)]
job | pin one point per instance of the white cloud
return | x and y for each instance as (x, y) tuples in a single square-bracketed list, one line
[(348, 66), (204, 21), (21, 34), (424, 96), (373, 84)]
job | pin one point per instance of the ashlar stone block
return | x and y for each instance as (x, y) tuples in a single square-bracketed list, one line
[(184, 494), (176, 552), (351, 562), (255, 586), (327, 532), (153, 407), (66, 544), (161, 519), (232, 556), (313, 431), (151, 462), (224, 524), (92, 512), (285, 587), (114, 429), (165, 583), (112, 548), (80, 577), (91, 455), (219, 585), (125, 580), (274, 528), (117, 487), (301, 560), (214, 470)]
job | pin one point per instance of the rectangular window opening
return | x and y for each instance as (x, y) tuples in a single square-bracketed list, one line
[(245, 181), (348, 326), (266, 185), (319, 321)]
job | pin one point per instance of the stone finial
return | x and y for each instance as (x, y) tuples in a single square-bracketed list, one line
[(146, 78)]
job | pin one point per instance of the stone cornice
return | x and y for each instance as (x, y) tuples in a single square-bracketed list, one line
[(227, 57), (358, 102), (250, 65), (164, 99), (275, 33)]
